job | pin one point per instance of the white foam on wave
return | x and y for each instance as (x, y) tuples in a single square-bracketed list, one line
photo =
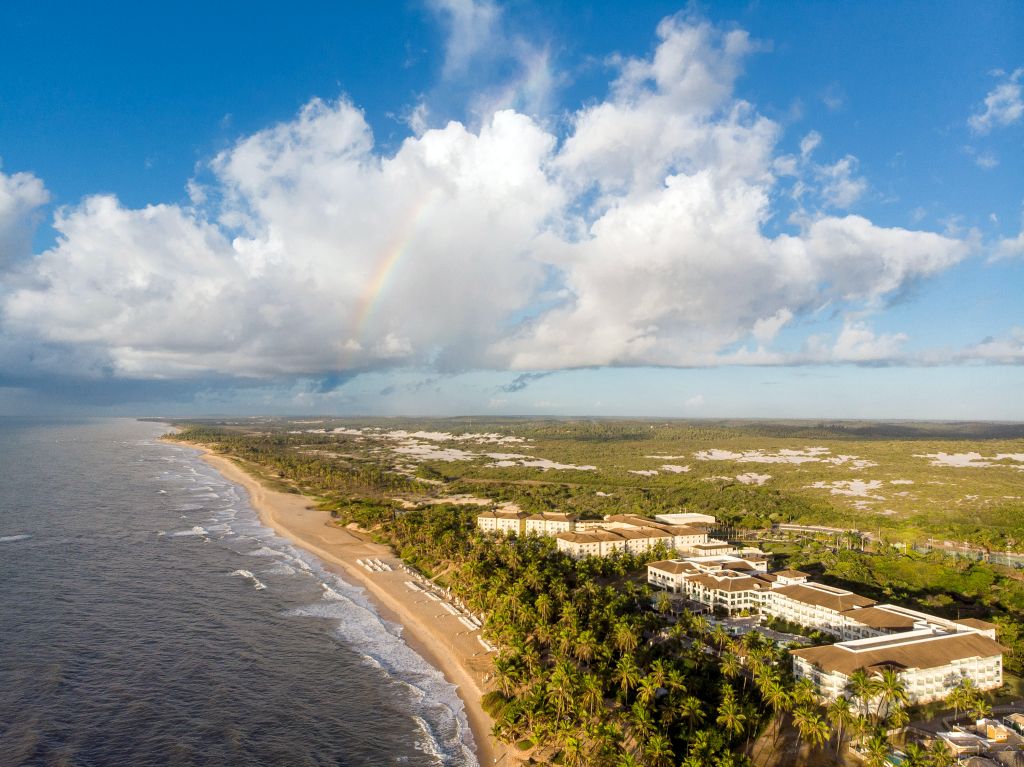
[(353, 619), (197, 530), (13, 538), (429, 744), (256, 582)]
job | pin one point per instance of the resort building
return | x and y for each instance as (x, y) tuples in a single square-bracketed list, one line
[(930, 654), (550, 523), (930, 663), (590, 543), (814, 605), (704, 520), (727, 590), (508, 522)]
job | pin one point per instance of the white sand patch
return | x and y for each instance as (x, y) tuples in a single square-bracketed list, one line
[(786, 455), (854, 462), (903, 494), (901, 481), (852, 487), (974, 460), (660, 457), (644, 472), (539, 463), (717, 478), (751, 478), (602, 494), (674, 468), (506, 456), (481, 438), (862, 505), (419, 451)]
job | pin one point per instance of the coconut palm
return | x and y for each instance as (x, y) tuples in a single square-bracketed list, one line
[(658, 751), (841, 716), (876, 750), (627, 674), (730, 714), (691, 708)]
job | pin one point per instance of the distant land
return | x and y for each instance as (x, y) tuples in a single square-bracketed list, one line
[(593, 663)]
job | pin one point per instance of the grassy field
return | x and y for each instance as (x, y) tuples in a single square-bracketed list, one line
[(906, 481)]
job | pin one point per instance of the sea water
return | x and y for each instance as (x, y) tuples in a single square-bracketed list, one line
[(147, 618)]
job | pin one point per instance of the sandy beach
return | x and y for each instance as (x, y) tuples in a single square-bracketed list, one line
[(429, 627)]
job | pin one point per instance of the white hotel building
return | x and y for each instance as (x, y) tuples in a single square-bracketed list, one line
[(930, 663), (931, 654)]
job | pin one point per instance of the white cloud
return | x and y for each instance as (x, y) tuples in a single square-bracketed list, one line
[(339, 259), (1010, 247), (472, 26), (1008, 350), (1003, 105), (638, 239), (21, 196)]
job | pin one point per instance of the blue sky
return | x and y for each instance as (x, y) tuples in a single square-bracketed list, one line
[(808, 209)]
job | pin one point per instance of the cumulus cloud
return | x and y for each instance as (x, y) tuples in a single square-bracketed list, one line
[(1008, 349), (1003, 105), (21, 196), (637, 238), (1010, 247)]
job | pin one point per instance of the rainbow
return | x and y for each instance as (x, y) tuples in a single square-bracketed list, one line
[(387, 263)]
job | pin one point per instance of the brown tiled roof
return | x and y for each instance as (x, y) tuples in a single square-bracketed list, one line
[(590, 536), (681, 529), (505, 514), (880, 618), (554, 516), (643, 532), (977, 623), (735, 583), (900, 650), (672, 566), (833, 599), (791, 574)]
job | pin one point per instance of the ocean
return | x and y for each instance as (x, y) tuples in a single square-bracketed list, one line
[(147, 618)]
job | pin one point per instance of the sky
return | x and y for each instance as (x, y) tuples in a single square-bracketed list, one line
[(443, 207)]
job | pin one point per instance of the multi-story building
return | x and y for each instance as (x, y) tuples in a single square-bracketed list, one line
[(590, 543), (727, 590), (508, 522), (550, 523), (814, 605), (930, 662)]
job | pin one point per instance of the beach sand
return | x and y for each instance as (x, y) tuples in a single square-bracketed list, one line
[(429, 629)]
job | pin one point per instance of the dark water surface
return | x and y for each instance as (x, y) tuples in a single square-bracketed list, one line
[(146, 618)]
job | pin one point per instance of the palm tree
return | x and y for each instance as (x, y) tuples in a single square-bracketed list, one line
[(730, 715), (876, 750), (626, 674), (775, 695), (980, 707), (592, 698), (917, 756), (658, 751), (586, 646), (647, 691), (841, 716), (816, 731), (626, 759), (691, 708), (624, 637), (862, 688), (939, 755), (891, 691)]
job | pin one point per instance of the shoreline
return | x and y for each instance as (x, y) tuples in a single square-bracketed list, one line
[(439, 638)]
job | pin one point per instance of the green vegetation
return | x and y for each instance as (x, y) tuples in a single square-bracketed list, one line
[(591, 668)]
